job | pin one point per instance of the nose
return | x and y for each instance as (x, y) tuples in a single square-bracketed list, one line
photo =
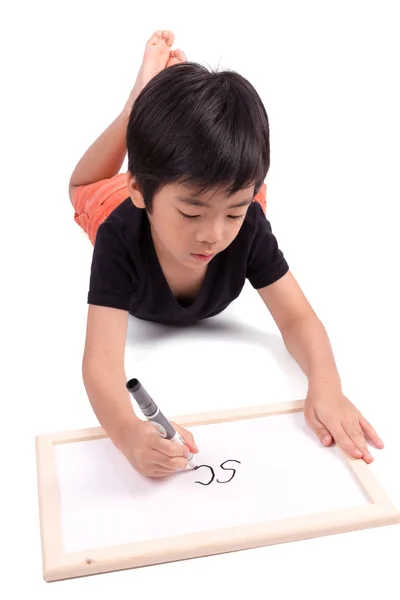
[(210, 234)]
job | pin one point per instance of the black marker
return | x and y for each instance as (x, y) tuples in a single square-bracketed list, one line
[(150, 410)]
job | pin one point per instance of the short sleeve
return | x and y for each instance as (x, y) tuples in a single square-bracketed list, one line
[(266, 262), (113, 277)]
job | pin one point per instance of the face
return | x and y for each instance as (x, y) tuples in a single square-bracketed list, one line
[(191, 229)]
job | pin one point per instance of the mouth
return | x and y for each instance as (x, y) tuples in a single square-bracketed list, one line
[(203, 257)]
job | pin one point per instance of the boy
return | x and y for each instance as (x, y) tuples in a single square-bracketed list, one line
[(176, 237)]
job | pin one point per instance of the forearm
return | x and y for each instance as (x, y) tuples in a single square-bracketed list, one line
[(307, 341), (110, 400), (105, 156)]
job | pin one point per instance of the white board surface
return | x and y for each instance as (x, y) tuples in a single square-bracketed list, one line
[(282, 471)]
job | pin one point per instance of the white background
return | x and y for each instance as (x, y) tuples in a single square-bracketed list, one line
[(328, 75)]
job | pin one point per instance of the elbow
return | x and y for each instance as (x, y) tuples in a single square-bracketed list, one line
[(87, 369), (91, 367), (95, 368)]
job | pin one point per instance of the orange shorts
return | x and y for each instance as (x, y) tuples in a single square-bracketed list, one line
[(95, 201)]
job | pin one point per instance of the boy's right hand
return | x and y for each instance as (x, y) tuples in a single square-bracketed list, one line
[(154, 456)]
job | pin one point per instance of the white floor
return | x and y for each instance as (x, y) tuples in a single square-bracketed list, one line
[(328, 78)]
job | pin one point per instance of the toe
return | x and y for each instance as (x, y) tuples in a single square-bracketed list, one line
[(180, 55), (176, 57), (156, 37), (168, 37), (172, 61)]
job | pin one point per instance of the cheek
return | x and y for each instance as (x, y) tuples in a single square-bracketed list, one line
[(167, 224), (176, 232), (182, 233)]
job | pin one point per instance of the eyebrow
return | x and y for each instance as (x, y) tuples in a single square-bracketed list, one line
[(196, 202)]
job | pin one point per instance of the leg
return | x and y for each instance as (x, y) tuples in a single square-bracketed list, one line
[(96, 187)]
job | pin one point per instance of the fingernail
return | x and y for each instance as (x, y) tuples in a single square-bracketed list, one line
[(325, 439)]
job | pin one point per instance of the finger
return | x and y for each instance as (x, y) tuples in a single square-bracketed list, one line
[(187, 437), (371, 433), (176, 463), (173, 464), (355, 433), (159, 472), (169, 448), (153, 470), (345, 442), (321, 431), (172, 467)]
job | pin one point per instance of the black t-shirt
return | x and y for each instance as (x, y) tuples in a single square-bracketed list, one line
[(126, 273)]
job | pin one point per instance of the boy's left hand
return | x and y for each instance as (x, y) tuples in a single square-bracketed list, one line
[(332, 416)]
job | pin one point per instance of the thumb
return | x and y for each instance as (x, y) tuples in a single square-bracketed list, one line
[(187, 438), (321, 431)]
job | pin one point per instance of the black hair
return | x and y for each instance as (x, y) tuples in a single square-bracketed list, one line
[(198, 127)]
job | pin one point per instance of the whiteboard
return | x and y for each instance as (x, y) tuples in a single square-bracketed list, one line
[(262, 477), (281, 472)]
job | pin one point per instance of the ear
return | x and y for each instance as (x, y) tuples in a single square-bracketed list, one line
[(134, 192)]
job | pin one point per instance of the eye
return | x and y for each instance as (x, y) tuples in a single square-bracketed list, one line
[(188, 216), (191, 217)]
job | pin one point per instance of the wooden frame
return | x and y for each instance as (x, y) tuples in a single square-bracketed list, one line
[(59, 565)]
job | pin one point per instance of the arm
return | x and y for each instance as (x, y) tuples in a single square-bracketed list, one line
[(103, 371), (303, 333), (327, 411), (105, 382)]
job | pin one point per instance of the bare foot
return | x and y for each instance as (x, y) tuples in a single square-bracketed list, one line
[(157, 56), (176, 56)]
